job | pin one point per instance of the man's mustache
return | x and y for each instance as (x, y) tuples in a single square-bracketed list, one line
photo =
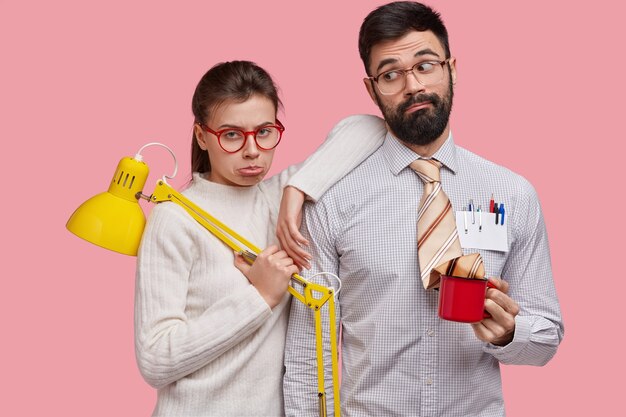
[(433, 98)]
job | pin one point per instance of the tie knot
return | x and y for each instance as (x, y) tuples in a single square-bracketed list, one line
[(427, 169)]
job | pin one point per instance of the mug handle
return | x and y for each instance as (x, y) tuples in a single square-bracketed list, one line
[(485, 314)]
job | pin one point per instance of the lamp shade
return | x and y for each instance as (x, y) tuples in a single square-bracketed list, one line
[(113, 219)]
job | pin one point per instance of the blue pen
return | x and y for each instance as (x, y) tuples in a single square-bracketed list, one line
[(496, 211), (501, 210), (471, 208)]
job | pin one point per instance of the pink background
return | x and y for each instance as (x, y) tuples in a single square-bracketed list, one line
[(82, 84)]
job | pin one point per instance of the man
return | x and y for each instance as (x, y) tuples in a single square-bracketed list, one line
[(399, 358)]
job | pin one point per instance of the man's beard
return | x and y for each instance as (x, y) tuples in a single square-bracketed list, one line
[(423, 126)]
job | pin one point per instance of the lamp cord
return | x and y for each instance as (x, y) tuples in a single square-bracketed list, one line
[(138, 157), (332, 275)]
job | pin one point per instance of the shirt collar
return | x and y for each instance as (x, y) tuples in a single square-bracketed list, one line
[(398, 156)]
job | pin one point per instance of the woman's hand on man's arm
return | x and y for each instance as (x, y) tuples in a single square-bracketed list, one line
[(288, 227)]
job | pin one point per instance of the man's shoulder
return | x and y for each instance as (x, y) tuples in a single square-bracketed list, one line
[(501, 178), (359, 189), (366, 174)]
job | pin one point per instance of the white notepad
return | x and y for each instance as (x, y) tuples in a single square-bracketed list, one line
[(492, 236)]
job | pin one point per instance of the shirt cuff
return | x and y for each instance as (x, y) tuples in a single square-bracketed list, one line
[(521, 338)]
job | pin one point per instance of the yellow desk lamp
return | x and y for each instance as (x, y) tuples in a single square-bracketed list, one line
[(114, 220)]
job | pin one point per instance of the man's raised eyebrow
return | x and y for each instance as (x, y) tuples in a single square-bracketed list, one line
[(427, 52), (385, 62), (422, 52)]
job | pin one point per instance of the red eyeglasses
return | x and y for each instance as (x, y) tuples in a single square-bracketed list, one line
[(232, 140)]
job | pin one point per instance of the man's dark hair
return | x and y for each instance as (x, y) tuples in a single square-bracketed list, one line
[(394, 20)]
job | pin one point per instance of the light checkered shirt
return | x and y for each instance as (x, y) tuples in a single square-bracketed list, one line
[(399, 358)]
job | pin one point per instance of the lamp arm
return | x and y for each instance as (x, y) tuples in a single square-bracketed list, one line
[(164, 192)]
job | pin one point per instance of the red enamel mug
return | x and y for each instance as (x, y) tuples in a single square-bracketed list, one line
[(462, 299)]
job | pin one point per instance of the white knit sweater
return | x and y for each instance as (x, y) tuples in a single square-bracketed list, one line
[(204, 336)]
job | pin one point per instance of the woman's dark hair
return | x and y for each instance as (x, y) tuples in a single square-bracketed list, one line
[(227, 81), (394, 20)]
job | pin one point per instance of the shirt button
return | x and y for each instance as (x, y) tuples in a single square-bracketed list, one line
[(429, 381), (430, 332)]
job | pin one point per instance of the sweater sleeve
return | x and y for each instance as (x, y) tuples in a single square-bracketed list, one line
[(168, 343), (349, 143)]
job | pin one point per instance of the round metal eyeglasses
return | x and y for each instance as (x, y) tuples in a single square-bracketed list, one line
[(426, 73)]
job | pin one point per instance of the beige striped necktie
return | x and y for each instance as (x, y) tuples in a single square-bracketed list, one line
[(438, 245)]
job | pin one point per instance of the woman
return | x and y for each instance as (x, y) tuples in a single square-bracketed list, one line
[(210, 330)]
